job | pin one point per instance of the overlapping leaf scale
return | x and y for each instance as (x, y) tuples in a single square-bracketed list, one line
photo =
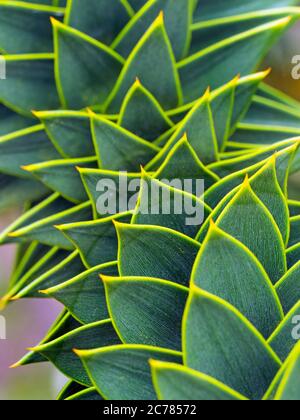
[(96, 240), (44, 230), (64, 324), (207, 32), (55, 270), (152, 61), (84, 295), (285, 337), (101, 19), (250, 44), (288, 287), (155, 252), (177, 210), (284, 160), (70, 389), (285, 385), (159, 303), (60, 351), (20, 23), (96, 72), (220, 342), (176, 382), (113, 370), (266, 244), (245, 285), (267, 121), (208, 11)]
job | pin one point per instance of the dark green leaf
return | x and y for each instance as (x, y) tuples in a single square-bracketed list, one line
[(153, 63), (30, 85), (96, 241), (119, 150), (123, 372), (183, 163), (220, 342), (177, 15), (169, 206), (244, 284), (26, 28), (62, 176), (289, 387), (69, 131), (178, 383), (45, 232), (142, 114), (257, 230), (286, 336), (288, 288), (123, 186), (216, 64), (94, 67), (146, 311), (60, 351), (101, 19), (84, 294), (23, 148), (151, 251)]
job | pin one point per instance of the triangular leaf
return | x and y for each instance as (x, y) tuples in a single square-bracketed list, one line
[(183, 163), (84, 294), (96, 241), (30, 85), (178, 16), (288, 389), (150, 251), (60, 351), (245, 285), (123, 372), (198, 125), (45, 232), (23, 148), (257, 231), (93, 75), (142, 114), (216, 333), (178, 383), (146, 311), (69, 131), (286, 336), (288, 288), (153, 63), (63, 177), (117, 149), (216, 64), (101, 19), (163, 204)]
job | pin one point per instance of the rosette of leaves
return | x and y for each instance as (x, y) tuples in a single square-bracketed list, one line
[(154, 307)]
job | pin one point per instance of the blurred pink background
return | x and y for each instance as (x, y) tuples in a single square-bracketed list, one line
[(27, 322)]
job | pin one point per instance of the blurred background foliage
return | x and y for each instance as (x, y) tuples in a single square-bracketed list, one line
[(28, 321), (280, 61)]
